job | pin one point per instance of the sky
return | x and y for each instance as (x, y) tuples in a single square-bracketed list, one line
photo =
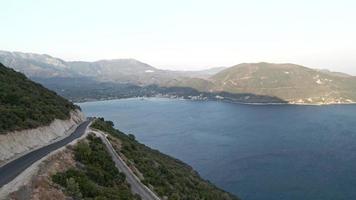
[(186, 34)]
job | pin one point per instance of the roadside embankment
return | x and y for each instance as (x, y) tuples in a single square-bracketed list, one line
[(14, 144), (28, 181)]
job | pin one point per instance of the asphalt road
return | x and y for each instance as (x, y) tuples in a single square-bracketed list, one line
[(137, 186), (9, 171)]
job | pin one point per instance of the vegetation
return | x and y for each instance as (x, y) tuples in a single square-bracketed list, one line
[(169, 177), (293, 83), (244, 83), (25, 104), (79, 90), (97, 177)]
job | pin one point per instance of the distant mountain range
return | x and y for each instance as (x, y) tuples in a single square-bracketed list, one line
[(117, 70), (246, 83)]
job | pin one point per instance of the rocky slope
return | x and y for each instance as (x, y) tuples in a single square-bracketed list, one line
[(36, 65)]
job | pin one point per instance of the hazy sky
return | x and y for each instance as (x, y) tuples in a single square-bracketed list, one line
[(185, 34)]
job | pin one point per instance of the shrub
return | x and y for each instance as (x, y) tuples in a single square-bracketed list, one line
[(98, 178)]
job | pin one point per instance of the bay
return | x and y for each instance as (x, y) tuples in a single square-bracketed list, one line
[(276, 152)]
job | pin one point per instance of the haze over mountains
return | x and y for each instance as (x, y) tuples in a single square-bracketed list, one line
[(117, 70), (128, 77)]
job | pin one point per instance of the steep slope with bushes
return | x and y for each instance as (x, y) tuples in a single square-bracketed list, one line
[(168, 177), (97, 178), (25, 104)]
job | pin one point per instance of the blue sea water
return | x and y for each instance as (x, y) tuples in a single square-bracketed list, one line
[(265, 152)]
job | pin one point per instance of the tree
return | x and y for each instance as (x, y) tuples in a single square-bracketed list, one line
[(132, 137), (73, 189)]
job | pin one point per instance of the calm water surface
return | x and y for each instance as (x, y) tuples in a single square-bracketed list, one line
[(257, 152)]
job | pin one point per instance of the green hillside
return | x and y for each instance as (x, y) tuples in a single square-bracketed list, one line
[(170, 178), (293, 83), (25, 104), (95, 175), (195, 83)]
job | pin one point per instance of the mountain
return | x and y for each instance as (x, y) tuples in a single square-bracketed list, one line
[(247, 82), (25, 104), (36, 65), (203, 74), (117, 70), (326, 71), (290, 82), (122, 71)]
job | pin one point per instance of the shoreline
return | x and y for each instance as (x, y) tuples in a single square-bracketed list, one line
[(217, 100)]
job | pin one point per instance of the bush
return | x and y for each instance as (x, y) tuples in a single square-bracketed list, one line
[(98, 179), (72, 188)]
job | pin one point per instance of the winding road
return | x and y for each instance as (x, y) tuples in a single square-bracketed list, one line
[(12, 169), (137, 187)]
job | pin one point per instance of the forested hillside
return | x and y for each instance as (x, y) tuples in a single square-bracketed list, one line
[(170, 178), (97, 178), (25, 104), (290, 82)]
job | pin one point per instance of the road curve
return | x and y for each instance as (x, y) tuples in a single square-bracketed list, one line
[(11, 170), (137, 186)]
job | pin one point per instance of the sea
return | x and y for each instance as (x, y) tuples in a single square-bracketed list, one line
[(257, 152)]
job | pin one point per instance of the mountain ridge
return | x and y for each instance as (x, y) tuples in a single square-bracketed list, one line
[(125, 70), (292, 83)]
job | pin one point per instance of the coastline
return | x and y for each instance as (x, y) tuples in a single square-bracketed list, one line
[(221, 126), (218, 100)]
